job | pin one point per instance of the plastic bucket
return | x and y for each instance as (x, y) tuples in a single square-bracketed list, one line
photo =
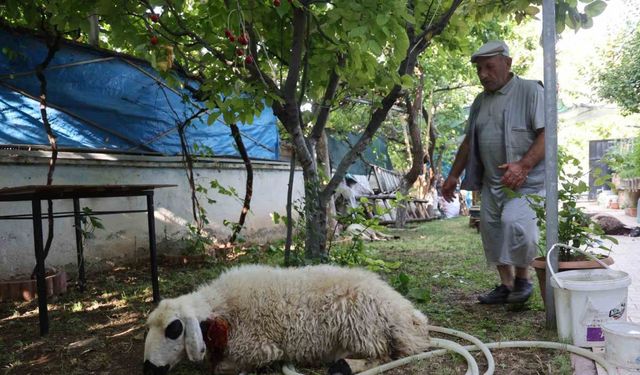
[(622, 346), (585, 300)]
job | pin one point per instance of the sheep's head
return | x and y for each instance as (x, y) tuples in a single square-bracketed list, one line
[(173, 331)]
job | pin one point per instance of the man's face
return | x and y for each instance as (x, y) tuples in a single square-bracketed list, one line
[(493, 71)]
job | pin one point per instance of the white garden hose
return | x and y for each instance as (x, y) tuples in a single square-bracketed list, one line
[(491, 366), (609, 368), (435, 342), (439, 343)]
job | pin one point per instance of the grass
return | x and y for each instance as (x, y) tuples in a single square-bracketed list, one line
[(439, 265), (446, 259)]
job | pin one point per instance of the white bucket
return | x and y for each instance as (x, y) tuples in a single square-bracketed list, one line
[(588, 299), (585, 300), (622, 346)]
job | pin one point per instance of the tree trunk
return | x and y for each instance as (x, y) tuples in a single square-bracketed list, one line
[(314, 205), (316, 198), (322, 150), (432, 137), (316, 219), (417, 153), (289, 239)]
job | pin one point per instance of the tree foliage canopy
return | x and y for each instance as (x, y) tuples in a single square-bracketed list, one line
[(619, 79), (245, 54)]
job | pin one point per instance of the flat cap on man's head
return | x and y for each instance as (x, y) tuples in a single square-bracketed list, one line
[(491, 48)]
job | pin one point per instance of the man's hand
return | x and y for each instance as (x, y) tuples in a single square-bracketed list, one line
[(515, 174), (448, 188)]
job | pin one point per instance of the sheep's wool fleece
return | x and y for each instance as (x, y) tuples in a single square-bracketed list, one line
[(312, 315)]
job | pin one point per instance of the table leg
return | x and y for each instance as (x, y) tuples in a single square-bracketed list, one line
[(36, 212), (82, 280), (152, 247)]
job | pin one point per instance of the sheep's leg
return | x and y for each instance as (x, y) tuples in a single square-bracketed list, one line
[(339, 367), (360, 365)]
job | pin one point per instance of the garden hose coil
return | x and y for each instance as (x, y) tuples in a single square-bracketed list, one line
[(472, 368)]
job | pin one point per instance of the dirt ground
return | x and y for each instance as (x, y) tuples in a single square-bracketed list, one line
[(101, 331), (90, 333)]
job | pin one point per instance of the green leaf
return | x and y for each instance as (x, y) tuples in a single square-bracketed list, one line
[(419, 295), (275, 217), (587, 22), (213, 116), (560, 25), (407, 17), (573, 20), (358, 31), (532, 10), (382, 19), (595, 9), (229, 117), (374, 47), (407, 81), (284, 9)]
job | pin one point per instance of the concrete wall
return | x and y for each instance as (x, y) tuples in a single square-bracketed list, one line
[(125, 235)]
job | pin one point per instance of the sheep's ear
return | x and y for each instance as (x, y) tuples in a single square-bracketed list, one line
[(193, 341)]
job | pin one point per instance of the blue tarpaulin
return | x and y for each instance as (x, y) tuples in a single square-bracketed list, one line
[(99, 100), (376, 153)]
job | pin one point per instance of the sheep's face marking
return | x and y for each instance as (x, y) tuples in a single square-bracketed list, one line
[(174, 330), (172, 333), (164, 345)]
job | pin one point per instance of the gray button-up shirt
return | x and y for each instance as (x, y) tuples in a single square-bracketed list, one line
[(502, 127)]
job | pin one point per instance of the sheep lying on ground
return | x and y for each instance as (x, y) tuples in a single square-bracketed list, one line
[(254, 315)]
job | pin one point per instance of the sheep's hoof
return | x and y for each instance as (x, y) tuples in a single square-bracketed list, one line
[(340, 367)]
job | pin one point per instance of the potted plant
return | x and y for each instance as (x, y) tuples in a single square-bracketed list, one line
[(575, 227)]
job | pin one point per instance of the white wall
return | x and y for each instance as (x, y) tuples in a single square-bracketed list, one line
[(125, 235)]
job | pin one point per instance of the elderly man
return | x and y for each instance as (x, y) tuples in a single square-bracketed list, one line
[(503, 149)]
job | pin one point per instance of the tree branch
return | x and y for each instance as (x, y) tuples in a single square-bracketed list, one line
[(322, 33), (53, 44), (374, 123), (450, 88), (295, 61), (255, 72), (325, 106), (246, 205), (406, 67), (416, 150), (424, 38), (305, 72), (195, 203)]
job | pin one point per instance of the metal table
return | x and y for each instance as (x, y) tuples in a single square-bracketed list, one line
[(37, 193)]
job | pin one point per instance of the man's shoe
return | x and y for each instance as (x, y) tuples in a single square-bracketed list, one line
[(497, 296), (522, 289)]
